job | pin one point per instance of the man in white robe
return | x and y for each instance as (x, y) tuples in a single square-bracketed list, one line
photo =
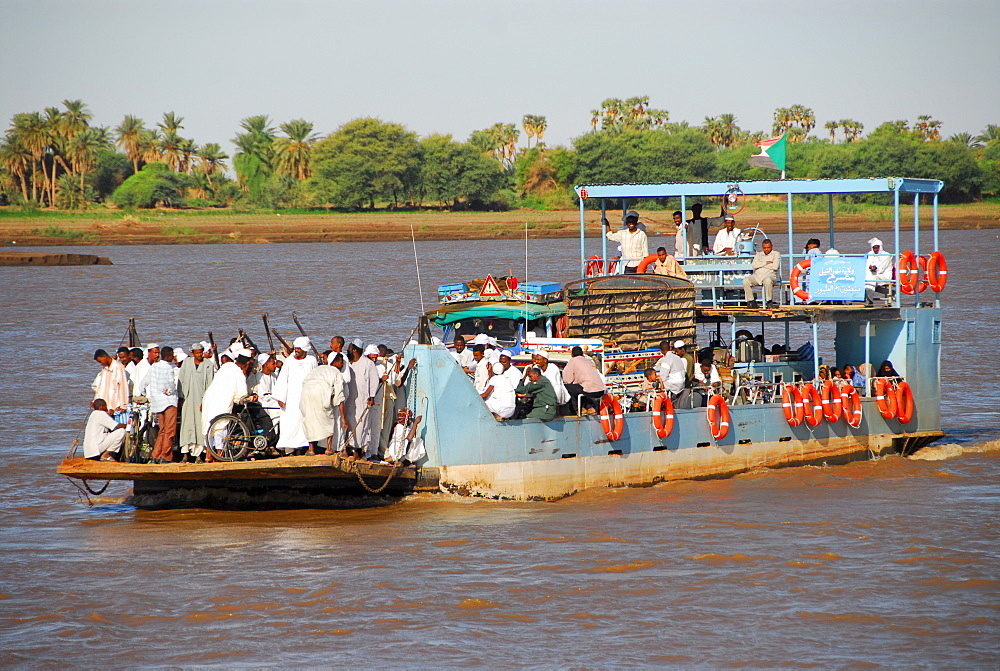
[(288, 393), (322, 407), (404, 444), (228, 386), (499, 394), (195, 377), (103, 436), (878, 272), (141, 368), (366, 384), (261, 384), (111, 383), (551, 371)]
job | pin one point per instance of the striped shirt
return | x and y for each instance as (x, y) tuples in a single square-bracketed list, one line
[(160, 386)]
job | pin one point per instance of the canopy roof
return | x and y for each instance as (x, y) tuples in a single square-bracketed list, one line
[(449, 314), (763, 187)]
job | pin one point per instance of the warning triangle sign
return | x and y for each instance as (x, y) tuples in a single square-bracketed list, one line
[(490, 288)]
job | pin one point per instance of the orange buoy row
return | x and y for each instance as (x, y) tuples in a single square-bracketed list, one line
[(791, 403), (813, 405), (911, 266)]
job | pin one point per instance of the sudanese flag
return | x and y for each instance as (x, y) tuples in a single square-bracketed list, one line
[(772, 154)]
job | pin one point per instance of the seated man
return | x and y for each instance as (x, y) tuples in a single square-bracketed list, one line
[(543, 397), (766, 269), (667, 265), (725, 240), (499, 393), (583, 380), (103, 436), (878, 272), (707, 380), (404, 446), (651, 380)]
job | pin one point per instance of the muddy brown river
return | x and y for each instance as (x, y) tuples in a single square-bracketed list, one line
[(893, 562)]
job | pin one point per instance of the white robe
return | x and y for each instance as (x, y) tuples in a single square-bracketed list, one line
[(399, 448), (555, 377), (288, 390), (503, 398), (322, 392), (139, 375), (365, 381), (228, 386), (111, 384), (263, 385)]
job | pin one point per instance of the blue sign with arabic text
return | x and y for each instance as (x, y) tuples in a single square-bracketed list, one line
[(837, 278)]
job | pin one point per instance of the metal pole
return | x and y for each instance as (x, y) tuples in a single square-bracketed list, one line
[(791, 247), (868, 355), (815, 326), (916, 240), (583, 245), (937, 296), (684, 235), (604, 238), (895, 219), (829, 210)]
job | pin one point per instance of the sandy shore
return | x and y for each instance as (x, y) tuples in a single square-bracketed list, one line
[(191, 227)]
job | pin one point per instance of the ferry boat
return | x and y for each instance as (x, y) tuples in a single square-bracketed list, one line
[(774, 410)]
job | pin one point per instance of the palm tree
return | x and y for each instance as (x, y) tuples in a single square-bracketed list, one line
[(254, 153), (83, 150), (128, 136), (927, 128), (76, 118), (171, 122), (595, 116), (187, 149), (713, 128), (170, 148), (541, 125), (990, 134), (293, 153), (17, 160), (795, 134), (832, 126), (149, 145), (211, 159), (852, 129), (966, 140), (32, 130)]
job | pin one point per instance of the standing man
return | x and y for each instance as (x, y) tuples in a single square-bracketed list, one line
[(766, 269), (366, 386), (160, 387), (633, 241), (288, 393), (228, 386), (680, 250), (111, 383), (700, 226), (672, 368), (196, 375), (337, 347), (725, 240), (142, 367), (322, 406)]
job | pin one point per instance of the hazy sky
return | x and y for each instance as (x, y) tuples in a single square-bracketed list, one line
[(453, 67)]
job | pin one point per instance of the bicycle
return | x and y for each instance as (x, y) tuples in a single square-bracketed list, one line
[(140, 433), (246, 432)]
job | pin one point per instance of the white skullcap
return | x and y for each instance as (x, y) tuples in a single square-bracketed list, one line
[(875, 241), (481, 339), (151, 346), (832, 252), (679, 344), (179, 355), (371, 349), (262, 358), (507, 353), (205, 345), (497, 368), (357, 343), (302, 343), (542, 353), (243, 351)]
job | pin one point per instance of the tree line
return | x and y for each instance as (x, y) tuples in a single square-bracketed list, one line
[(57, 158)]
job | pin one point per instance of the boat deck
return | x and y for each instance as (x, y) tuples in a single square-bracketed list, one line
[(799, 312)]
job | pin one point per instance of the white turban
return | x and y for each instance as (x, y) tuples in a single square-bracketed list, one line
[(481, 339), (151, 345), (243, 351), (371, 349), (262, 358), (179, 355), (497, 368), (302, 343), (542, 353), (507, 353), (205, 345), (875, 241)]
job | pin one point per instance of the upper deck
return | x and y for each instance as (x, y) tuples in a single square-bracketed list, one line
[(839, 280)]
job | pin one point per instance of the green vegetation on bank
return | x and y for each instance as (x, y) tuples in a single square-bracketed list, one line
[(57, 159)]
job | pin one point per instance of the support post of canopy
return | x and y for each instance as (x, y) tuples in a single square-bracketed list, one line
[(895, 240), (934, 216), (604, 238), (916, 242), (787, 334), (732, 337), (791, 248), (868, 355), (815, 328), (583, 244), (684, 228), (829, 214)]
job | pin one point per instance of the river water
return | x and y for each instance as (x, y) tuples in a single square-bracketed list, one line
[(890, 562)]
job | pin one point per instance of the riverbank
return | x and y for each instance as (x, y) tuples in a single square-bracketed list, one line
[(157, 227)]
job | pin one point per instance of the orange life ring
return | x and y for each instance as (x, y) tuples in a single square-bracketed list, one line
[(904, 402), (812, 405), (885, 397), (852, 405), (830, 399), (793, 280), (937, 271), (663, 415), (641, 268), (718, 421), (595, 266), (791, 403), (910, 269), (612, 422), (907, 271), (612, 266)]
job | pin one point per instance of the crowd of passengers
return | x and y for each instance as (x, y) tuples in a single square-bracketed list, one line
[(541, 390), (766, 263), (347, 399)]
